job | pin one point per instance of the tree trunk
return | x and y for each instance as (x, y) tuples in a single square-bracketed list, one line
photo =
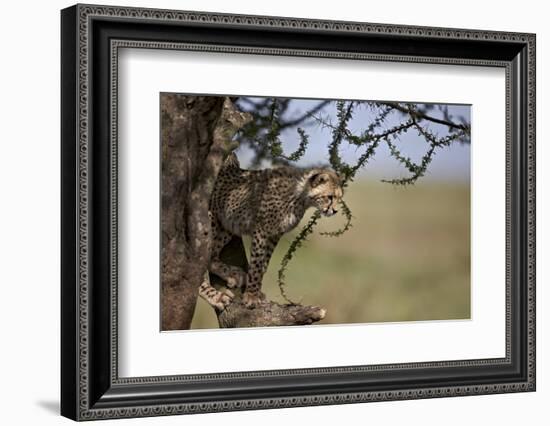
[(197, 135)]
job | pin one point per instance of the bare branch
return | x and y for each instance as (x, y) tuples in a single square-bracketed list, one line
[(415, 114)]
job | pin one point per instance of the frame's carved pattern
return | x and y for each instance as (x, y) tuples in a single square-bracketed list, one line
[(302, 401), (86, 12), (531, 214), (83, 223)]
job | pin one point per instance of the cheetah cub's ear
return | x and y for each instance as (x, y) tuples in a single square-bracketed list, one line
[(318, 179)]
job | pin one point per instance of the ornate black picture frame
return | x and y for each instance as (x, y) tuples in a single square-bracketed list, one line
[(91, 387)]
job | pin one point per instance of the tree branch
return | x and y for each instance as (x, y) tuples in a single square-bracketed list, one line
[(420, 115), (268, 314)]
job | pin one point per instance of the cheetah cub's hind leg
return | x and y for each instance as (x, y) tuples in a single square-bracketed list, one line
[(234, 276), (215, 298)]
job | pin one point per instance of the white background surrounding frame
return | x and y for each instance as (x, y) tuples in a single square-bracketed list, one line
[(30, 225), (144, 351)]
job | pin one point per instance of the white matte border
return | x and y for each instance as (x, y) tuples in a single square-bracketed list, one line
[(144, 351)]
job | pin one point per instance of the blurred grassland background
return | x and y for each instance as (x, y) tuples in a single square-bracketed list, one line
[(407, 257)]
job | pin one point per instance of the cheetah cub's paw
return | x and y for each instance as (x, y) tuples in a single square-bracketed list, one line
[(253, 299), (220, 299)]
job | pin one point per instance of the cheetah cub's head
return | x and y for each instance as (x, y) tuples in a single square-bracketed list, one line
[(325, 191)]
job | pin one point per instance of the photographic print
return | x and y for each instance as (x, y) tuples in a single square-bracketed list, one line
[(313, 211)]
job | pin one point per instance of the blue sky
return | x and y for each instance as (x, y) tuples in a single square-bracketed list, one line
[(449, 164)]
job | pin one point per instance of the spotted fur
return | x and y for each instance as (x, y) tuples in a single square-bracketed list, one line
[(264, 204)]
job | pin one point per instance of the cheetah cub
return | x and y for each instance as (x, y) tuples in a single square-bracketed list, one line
[(264, 204)]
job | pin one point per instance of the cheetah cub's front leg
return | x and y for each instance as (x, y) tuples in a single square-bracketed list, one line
[(260, 254)]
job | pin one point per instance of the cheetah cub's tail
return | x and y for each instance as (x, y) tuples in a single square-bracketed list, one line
[(231, 162)]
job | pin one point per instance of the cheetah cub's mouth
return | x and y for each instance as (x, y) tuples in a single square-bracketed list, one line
[(327, 205), (330, 212)]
